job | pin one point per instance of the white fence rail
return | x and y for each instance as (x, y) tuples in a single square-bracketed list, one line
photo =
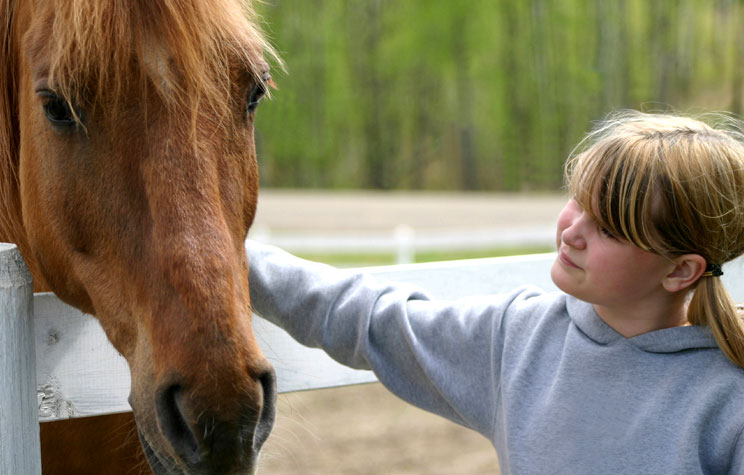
[(56, 362), (404, 241)]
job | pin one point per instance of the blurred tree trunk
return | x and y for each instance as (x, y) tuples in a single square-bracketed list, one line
[(515, 81), (375, 159), (661, 34), (365, 32), (737, 78), (422, 91), (612, 54), (464, 88), (687, 39), (543, 104)]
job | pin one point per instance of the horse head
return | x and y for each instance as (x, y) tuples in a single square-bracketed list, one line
[(128, 178)]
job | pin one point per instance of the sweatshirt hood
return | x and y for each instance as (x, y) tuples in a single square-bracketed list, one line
[(667, 340)]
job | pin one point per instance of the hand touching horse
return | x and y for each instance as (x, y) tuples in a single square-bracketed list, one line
[(128, 179)]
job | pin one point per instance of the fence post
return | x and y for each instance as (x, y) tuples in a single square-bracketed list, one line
[(20, 451), (405, 251)]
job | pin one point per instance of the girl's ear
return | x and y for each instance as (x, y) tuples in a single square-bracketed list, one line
[(687, 270)]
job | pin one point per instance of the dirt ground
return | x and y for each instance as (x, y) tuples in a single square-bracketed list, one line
[(365, 430)]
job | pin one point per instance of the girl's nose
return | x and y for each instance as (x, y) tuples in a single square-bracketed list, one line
[(573, 234)]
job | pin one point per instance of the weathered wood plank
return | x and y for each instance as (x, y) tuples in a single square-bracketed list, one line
[(78, 372), (20, 451)]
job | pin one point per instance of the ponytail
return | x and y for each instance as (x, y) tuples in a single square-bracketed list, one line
[(712, 306)]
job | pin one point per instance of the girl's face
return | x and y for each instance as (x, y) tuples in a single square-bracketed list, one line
[(598, 268)]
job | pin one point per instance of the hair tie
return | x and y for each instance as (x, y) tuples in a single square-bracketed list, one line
[(712, 270)]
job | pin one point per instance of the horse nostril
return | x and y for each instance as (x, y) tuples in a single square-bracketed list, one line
[(268, 411), (174, 426), (268, 384)]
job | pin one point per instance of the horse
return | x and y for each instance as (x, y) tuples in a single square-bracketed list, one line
[(128, 180)]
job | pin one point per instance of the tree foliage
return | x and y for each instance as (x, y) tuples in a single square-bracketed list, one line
[(478, 94)]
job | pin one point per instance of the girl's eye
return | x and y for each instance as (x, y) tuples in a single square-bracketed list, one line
[(606, 232)]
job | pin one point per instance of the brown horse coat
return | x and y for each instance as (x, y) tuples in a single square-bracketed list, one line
[(128, 179)]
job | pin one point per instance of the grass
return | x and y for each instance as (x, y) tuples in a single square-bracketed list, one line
[(382, 259)]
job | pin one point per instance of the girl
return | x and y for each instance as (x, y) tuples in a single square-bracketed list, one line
[(634, 368)]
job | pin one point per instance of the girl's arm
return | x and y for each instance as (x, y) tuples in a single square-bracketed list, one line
[(442, 356)]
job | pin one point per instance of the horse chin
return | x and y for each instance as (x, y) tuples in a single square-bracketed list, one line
[(162, 463)]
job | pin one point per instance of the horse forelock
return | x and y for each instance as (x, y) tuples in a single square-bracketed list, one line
[(184, 50)]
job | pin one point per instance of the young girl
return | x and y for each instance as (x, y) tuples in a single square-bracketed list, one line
[(634, 368)]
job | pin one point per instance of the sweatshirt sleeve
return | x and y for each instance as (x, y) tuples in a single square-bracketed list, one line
[(442, 356)]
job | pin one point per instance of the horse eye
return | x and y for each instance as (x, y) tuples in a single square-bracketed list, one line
[(57, 109), (257, 92)]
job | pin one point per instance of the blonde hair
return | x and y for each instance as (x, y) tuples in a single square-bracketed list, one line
[(671, 185)]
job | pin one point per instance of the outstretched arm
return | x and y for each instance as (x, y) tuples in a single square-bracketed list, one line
[(442, 356)]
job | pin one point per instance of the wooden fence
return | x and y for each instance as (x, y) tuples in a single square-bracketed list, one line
[(56, 363)]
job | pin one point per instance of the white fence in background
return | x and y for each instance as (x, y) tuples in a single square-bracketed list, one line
[(56, 363), (404, 242)]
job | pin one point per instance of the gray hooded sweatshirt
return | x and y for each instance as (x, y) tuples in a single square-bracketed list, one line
[(554, 388)]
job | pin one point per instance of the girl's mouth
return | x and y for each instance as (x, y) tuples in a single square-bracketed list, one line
[(565, 260)]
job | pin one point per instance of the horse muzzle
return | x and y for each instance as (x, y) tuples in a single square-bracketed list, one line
[(206, 443)]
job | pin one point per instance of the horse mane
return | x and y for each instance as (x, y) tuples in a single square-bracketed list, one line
[(183, 50), (11, 226)]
